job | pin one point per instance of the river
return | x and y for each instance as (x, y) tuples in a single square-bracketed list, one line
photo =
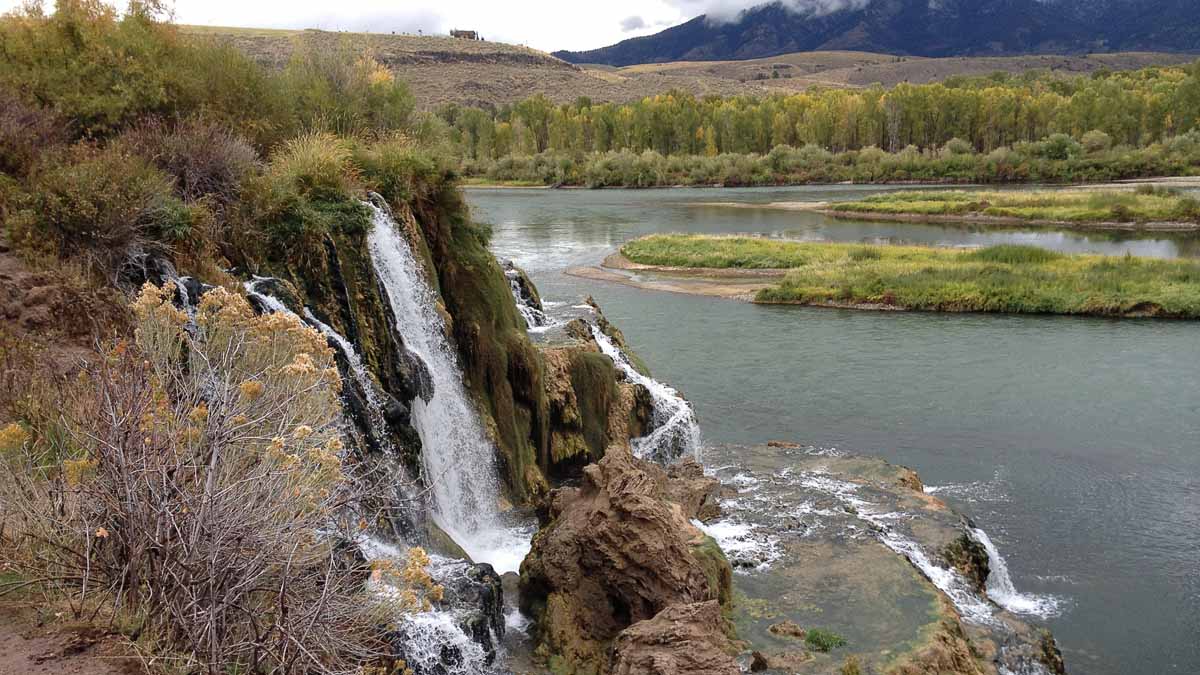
[(1074, 442)]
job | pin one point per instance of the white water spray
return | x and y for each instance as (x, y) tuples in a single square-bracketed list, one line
[(675, 431), (953, 584), (434, 640), (1000, 587), (266, 299), (536, 320), (459, 460)]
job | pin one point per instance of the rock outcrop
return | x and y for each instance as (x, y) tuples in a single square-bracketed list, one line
[(615, 552), (680, 640)]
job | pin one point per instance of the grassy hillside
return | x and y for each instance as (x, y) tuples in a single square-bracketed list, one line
[(446, 70)]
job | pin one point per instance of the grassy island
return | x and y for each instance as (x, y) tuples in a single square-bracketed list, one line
[(1005, 278), (1146, 205)]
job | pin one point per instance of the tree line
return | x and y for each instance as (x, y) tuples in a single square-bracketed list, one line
[(1134, 108)]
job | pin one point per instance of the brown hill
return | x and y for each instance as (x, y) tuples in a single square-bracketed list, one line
[(480, 73)]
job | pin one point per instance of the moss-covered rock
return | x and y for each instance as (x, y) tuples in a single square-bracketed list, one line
[(615, 552), (970, 558)]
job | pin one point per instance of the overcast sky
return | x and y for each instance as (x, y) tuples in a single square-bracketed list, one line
[(544, 24)]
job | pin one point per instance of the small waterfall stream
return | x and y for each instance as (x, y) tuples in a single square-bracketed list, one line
[(535, 318), (435, 640), (675, 431), (1002, 590), (357, 370), (460, 461)]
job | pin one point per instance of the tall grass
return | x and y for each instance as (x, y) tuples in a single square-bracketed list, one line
[(1083, 206), (1004, 278)]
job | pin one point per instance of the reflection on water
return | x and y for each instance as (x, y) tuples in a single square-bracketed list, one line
[(551, 229), (1080, 434)]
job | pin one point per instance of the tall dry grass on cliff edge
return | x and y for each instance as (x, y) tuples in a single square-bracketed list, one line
[(192, 487)]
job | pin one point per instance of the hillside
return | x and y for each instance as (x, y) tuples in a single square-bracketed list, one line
[(920, 28), (443, 70)]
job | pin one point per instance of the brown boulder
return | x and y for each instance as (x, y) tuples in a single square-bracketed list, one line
[(680, 640), (614, 553), (697, 494)]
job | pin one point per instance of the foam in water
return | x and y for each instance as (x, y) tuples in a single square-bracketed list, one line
[(744, 544), (433, 641), (1000, 587), (674, 431), (969, 604), (459, 460)]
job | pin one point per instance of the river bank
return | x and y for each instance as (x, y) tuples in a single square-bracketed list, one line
[(482, 183), (1003, 279)]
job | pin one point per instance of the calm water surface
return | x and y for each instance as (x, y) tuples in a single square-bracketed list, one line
[(1074, 442)]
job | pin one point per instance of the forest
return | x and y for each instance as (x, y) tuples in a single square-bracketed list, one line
[(1002, 128)]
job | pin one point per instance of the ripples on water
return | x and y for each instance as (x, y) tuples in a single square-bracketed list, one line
[(1071, 440)]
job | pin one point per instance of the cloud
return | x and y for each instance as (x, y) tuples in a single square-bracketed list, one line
[(632, 23), (729, 10)]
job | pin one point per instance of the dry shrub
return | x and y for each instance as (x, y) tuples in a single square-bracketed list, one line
[(195, 481), (206, 160), (26, 133), (104, 204)]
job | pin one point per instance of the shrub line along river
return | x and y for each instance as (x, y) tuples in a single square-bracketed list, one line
[(1074, 442)]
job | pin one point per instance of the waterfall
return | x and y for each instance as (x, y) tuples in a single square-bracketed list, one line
[(434, 641), (358, 371), (1000, 587), (459, 460), (266, 300), (535, 319), (675, 431)]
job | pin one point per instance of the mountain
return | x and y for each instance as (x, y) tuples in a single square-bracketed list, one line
[(919, 28)]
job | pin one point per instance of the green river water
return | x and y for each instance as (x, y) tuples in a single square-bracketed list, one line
[(1074, 442)]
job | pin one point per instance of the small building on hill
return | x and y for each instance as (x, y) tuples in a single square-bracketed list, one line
[(465, 34)]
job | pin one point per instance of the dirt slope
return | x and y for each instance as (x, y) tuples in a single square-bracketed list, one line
[(448, 70)]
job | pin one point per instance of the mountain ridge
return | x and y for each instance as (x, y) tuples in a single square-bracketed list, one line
[(935, 28)]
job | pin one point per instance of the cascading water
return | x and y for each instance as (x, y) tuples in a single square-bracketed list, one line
[(953, 584), (266, 300), (1003, 592), (536, 320), (434, 641), (674, 431), (459, 460), (358, 371)]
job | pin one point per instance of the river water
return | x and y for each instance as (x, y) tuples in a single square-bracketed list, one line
[(1074, 442)]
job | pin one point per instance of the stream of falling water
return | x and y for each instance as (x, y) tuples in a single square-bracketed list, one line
[(459, 460), (435, 640), (674, 430)]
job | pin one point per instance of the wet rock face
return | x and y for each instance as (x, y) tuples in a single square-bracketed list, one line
[(473, 600), (479, 590), (615, 552), (523, 283), (697, 494), (680, 640), (970, 558)]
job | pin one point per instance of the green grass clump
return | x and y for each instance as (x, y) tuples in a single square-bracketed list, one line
[(1146, 204), (1004, 278), (1014, 254), (679, 250), (822, 640)]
